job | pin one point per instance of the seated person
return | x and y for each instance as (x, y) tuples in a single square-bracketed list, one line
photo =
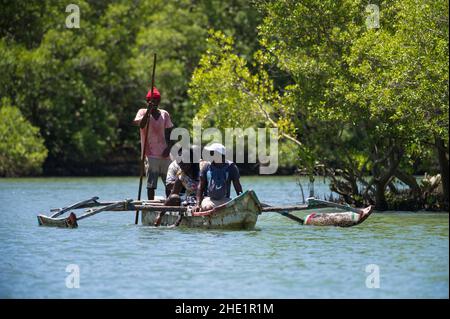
[(181, 176), (215, 180), (186, 176), (172, 173)]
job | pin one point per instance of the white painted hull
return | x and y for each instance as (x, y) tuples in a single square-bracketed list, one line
[(240, 213)]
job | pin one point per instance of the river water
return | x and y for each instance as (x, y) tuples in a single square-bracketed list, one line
[(390, 255)]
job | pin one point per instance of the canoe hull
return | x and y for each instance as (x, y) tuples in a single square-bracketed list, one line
[(240, 213), (65, 222)]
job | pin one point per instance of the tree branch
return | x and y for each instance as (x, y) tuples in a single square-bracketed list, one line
[(266, 114)]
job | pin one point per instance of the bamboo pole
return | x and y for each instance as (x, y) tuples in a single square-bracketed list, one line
[(136, 219), (284, 208)]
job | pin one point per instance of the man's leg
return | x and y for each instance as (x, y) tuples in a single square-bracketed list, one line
[(152, 180), (163, 168), (168, 190), (172, 200), (208, 203), (160, 214)]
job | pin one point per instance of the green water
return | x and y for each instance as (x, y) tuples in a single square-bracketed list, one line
[(280, 259)]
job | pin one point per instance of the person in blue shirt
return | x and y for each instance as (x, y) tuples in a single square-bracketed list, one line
[(215, 180)]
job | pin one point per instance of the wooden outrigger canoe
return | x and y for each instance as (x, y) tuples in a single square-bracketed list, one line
[(240, 213)]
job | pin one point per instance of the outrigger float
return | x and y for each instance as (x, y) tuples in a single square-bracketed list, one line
[(240, 213)]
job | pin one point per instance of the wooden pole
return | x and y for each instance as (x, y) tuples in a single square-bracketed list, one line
[(60, 211), (285, 208), (312, 203), (284, 211), (318, 203), (136, 219)]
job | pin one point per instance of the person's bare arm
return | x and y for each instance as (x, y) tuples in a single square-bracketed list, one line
[(177, 187), (237, 186), (200, 192), (142, 122), (169, 142)]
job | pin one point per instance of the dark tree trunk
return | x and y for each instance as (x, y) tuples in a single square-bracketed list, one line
[(443, 164), (380, 196), (383, 175)]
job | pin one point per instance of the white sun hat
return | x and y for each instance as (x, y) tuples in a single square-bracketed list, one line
[(216, 147)]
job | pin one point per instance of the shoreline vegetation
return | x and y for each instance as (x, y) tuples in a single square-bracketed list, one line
[(357, 93), (430, 198)]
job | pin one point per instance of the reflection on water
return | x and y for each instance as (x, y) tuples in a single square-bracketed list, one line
[(280, 259)]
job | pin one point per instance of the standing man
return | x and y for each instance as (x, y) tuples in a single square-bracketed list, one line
[(158, 145)]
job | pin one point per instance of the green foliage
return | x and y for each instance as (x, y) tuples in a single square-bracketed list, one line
[(82, 87), (368, 101), (22, 149), (343, 94), (175, 31), (224, 90), (237, 19), (401, 75)]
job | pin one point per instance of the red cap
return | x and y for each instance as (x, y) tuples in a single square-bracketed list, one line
[(156, 94)]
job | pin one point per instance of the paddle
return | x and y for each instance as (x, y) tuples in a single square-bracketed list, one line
[(145, 140)]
